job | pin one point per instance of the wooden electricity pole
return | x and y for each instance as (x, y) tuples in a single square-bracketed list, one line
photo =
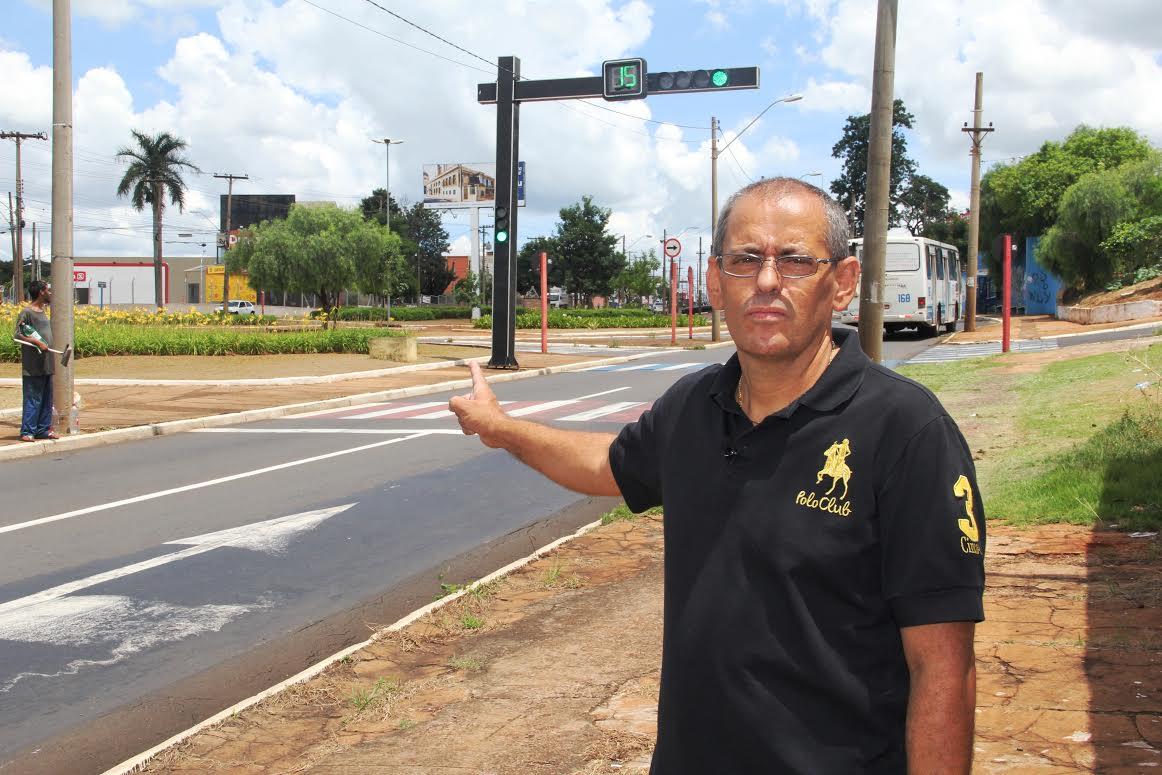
[(229, 178), (977, 133), (18, 256)]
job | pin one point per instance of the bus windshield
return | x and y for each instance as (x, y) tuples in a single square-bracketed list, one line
[(902, 257)]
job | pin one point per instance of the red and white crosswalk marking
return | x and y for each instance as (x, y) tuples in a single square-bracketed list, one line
[(563, 410)]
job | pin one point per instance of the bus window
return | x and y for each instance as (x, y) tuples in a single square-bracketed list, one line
[(902, 257), (939, 262)]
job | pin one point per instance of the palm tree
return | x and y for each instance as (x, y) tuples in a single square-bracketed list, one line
[(155, 168)]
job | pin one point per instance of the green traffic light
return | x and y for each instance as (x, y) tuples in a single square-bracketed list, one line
[(719, 78), (502, 236)]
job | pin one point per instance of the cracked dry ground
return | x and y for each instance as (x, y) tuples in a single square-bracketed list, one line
[(561, 677)]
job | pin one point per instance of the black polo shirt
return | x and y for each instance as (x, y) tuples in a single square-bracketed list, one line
[(795, 550)]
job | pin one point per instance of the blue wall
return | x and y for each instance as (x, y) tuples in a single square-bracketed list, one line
[(1039, 286)]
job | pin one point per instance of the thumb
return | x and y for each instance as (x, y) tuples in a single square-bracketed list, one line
[(480, 389)]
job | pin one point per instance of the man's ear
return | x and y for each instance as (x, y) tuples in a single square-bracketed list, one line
[(846, 282), (714, 284)]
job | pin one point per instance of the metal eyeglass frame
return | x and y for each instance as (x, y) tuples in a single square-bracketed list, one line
[(779, 262)]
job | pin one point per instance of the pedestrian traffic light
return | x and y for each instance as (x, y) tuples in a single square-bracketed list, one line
[(500, 223), (718, 79), (624, 79)]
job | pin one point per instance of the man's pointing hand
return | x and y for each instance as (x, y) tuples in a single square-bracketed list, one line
[(479, 413)]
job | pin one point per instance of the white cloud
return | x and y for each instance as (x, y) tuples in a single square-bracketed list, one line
[(768, 45)]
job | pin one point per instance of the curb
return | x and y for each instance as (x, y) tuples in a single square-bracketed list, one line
[(1136, 326), (137, 762), (305, 380), (139, 432)]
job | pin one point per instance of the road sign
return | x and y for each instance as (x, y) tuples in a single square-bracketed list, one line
[(672, 247), (79, 277)]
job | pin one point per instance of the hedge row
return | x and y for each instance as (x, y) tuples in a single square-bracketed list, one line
[(156, 340), (570, 319), (399, 313)]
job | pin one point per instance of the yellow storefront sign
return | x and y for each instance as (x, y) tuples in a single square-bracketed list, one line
[(239, 285)]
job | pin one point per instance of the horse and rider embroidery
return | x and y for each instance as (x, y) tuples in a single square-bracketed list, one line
[(835, 467)]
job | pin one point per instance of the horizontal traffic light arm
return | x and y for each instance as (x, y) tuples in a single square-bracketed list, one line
[(591, 87)]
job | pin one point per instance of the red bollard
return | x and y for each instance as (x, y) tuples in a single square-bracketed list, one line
[(673, 302), (1007, 315), (690, 297), (544, 302)]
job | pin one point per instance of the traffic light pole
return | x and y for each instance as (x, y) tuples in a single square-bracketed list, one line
[(504, 267), (620, 79)]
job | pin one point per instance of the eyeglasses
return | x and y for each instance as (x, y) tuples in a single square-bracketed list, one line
[(790, 267)]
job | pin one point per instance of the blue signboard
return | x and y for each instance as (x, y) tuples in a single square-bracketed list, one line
[(520, 184)]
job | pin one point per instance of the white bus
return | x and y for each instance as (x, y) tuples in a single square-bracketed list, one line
[(923, 286)]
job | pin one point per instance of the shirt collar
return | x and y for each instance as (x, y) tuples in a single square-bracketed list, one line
[(837, 384)]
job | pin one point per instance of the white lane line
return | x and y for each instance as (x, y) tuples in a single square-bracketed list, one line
[(272, 532), (635, 367), (348, 431), (199, 485), (546, 406), (601, 411), (679, 366), (394, 410)]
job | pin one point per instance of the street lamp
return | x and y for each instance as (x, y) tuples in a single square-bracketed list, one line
[(715, 328), (624, 252), (387, 142)]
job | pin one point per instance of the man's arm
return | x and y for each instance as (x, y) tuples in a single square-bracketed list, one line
[(572, 459), (942, 698), (21, 319)]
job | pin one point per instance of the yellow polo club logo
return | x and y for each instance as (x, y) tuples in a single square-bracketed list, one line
[(970, 541), (836, 467)]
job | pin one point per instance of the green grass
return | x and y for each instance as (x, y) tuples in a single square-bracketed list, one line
[(623, 514), (595, 318), (362, 699), (465, 663), (1075, 441), (471, 621)]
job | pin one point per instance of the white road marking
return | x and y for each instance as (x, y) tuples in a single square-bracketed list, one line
[(394, 410), (440, 414), (546, 406), (348, 431), (199, 485), (601, 411), (333, 410), (271, 536), (678, 366)]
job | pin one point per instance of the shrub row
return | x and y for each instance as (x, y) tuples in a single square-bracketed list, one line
[(398, 313), (570, 319), (157, 340)]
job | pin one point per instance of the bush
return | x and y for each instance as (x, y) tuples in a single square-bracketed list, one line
[(594, 318), (94, 341), (397, 313)]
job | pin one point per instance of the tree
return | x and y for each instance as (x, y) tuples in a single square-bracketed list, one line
[(379, 265), (528, 265), (850, 187), (424, 239), (1136, 245), (639, 277), (319, 249), (155, 170), (952, 229), (1086, 217), (1024, 198), (588, 256), (923, 201)]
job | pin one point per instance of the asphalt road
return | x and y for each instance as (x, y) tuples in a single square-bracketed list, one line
[(148, 585)]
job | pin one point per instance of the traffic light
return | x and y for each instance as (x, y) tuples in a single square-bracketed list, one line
[(500, 223), (623, 79), (717, 79)]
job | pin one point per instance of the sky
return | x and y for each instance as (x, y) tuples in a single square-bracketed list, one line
[(292, 93)]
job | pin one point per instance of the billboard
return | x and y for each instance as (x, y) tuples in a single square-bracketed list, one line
[(466, 185), (252, 209), (239, 285)]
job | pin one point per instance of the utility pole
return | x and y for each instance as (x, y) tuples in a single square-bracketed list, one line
[(65, 409), (18, 265), (387, 143), (715, 326), (229, 178), (698, 287), (34, 266), (879, 167), (977, 133), (12, 237)]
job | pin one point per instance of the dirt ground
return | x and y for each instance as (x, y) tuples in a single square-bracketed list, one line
[(1143, 291), (554, 670)]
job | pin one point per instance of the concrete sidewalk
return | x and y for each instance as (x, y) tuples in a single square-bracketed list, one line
[(1037, 327)]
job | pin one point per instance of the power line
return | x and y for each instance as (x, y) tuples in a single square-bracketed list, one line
[(429, 32), (738, 164)]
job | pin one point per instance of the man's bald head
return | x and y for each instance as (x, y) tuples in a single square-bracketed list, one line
[(837, 235)]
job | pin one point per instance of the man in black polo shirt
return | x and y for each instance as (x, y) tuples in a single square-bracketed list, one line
[(824, 535)]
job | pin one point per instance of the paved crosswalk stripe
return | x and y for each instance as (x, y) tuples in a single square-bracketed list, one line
[(440, 414), (600, 411), (679, 366), (394, 410)]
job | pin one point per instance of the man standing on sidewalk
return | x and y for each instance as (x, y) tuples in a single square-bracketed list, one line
[(35, 333), (824, 538)]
